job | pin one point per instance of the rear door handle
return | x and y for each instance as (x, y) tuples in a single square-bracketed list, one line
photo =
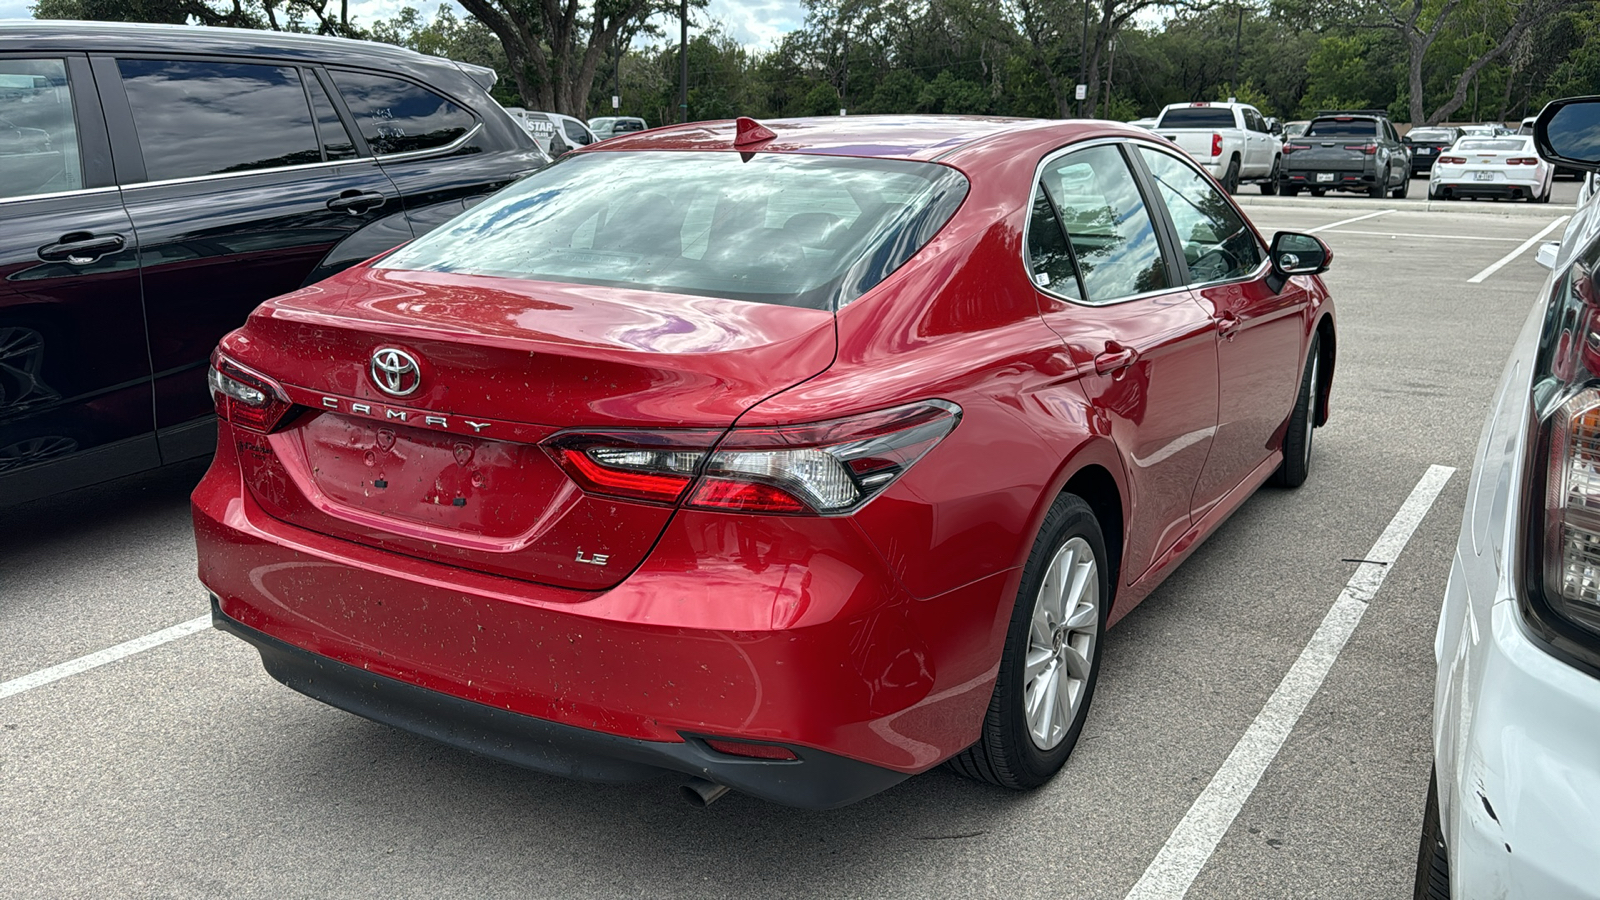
[(81, 248), (1114, 357), (356, 202)]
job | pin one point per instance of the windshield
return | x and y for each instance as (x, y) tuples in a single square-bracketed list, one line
[(1363, 128), (811, 231), (1503, 144), (1431, 134), (1197, 117)]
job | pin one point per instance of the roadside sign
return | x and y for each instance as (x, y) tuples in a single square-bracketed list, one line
[(1083, 92)]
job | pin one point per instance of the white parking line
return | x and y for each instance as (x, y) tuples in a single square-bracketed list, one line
[(1371, 215), (101, 657), (1409, 234), (1181, 858), (1521, 249)]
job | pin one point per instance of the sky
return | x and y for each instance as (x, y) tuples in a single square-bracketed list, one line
[(754, 23)]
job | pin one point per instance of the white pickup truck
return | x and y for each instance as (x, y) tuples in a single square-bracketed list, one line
[(1233, 141)]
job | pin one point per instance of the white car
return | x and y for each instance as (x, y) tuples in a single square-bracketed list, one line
[(553, 132), (1506, 166), (1514, 810)]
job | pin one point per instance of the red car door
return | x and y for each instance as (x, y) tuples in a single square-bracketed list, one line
[(1260, 332), (1108, 288)]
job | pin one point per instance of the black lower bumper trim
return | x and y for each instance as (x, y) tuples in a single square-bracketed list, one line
[(817, 780)]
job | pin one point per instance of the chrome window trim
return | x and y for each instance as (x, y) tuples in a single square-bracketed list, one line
[(214, 176), (57, 194), (445, 148), (1033, 197)]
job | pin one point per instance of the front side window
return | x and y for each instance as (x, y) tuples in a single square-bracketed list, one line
[(1217, 243), (209, 118), (400, 117), (575, 133), (1112, 236), (795, 230), (38, 134)]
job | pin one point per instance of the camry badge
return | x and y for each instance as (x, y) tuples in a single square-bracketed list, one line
[(395, 372)]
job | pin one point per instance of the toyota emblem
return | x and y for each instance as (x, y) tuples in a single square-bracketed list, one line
[(395, 372)]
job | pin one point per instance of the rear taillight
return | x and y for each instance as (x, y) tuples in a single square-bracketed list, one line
[(829, 468), (1216, 145), (1368, 149), (1291, 148), (1523, 161), (651, 466), (1572, 510), (1561, 600), (245, 398), (1453, 160)]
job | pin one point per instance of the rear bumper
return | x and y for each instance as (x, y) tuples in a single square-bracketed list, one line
[(816, 780), (1328, 179), (1510, 189), (748, 628)]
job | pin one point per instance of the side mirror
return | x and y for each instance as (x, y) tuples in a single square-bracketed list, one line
[(1293, 253), (1567, 132), (1276, 128)]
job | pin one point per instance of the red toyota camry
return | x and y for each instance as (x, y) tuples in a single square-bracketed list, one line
[(796, 459)]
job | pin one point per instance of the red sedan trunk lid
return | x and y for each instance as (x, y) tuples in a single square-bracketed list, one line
[(452, 472)]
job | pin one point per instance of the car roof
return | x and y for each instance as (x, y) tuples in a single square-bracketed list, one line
[(892, 137), (50, 34)]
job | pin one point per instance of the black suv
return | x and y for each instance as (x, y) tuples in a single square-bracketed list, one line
[(158, 182), (1347, 151)]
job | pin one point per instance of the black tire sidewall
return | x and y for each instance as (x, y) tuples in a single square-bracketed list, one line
[(1069, 517)]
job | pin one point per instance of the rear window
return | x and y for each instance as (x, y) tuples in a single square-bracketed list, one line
[(809, 231), (1431, 134), (1365, 128), (1197, 117), (622, 125)]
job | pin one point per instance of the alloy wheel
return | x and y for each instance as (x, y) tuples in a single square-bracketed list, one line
[(1061, 643)]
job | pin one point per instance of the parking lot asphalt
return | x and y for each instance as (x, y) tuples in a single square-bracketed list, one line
[(185, 771)]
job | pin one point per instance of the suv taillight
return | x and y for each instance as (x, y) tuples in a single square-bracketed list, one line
[(1561, 599), (1368, 149), (828, 468), (1290, 148), (245, 398)]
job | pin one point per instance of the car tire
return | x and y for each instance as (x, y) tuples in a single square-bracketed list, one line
[(1058, 623), (1548, 190), (1400, 192), (1434, 194), (1379, 186), (1230, 180), (1296, 463), (1270, 186), (1289, 190), (1433, 857)]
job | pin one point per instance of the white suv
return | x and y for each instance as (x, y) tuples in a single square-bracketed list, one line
[(1514, 811)]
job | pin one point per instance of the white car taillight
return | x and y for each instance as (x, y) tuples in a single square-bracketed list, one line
[(1572, 508)]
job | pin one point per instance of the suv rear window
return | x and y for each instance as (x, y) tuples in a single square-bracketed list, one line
[(1197, 117), (809, 231), (1336, 128)]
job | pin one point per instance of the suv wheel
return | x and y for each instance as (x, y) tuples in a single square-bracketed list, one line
[(1379, 186), (1433, 857)]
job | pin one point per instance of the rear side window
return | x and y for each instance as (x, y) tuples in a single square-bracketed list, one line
[(809, 231), (38, 134), (1337, 128), (1197, 117), (208, 118), (1112, 235), (400, 117)]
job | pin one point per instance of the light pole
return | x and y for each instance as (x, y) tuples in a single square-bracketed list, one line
[(1083, 56), (1238, 32), (683, 60)]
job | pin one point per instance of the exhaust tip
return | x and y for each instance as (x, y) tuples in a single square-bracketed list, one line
[(703, 793)]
